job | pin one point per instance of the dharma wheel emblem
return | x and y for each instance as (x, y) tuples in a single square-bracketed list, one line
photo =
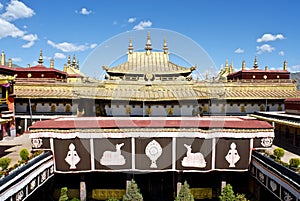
[(153, 151), (267, 142), (72, 157)]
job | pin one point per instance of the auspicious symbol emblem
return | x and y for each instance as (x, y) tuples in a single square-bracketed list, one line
[(261, 177), (72, 157), (19, 196), (37, 143), (113, 157), (44, 176), (273, 185), (32, 184), (233, 156), (193, 159), (287, 196), (266, 142), (153, 151)]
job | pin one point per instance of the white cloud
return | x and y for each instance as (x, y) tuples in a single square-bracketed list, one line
[(16, 10), (16, 59), (264, 48), (142, 25), (31, 38), (92, 46), (131, 20), (239, 51), (269, 37), (59, 56), (281, 53), (85, 11), (1, 6), (8, 29), (295, 68), (69, 47)]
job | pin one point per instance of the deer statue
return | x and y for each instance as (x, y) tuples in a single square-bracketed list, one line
[(113, 157), (193, 159)]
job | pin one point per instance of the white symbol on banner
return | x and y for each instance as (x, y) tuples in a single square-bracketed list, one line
[(266, 142), (233, 156), (37, 143), (261, 177), (287, 196), (72, 157), (32, 184), (193, 159), (273, 185), (19, 196), (153, 151), (113, 157)]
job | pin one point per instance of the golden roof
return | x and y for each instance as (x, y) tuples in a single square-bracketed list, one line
[(142, 63), (157, 91)]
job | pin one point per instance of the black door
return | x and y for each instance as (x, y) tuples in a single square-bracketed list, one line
[(156, 186)]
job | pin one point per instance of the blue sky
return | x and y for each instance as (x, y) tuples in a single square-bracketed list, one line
[(233, 30)]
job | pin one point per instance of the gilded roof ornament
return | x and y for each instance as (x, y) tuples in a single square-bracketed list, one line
[(255, 66), (41, 61), (285, 65), (69, 60), (148, 47), (52, 63), (226, 65), (165, 46), (74, 63), (244, 65), (130, 46), (2, 58), (9, 62)]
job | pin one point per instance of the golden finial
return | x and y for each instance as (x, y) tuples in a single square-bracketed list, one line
[(231, 68), (74, 61), (285, 65), (148, 44), (52, 63), (130, 47), (2, 58), (266, 68), (9, 62), (226, 65), (65, 67), (41, 61), (165, 46), (244, 65), (28, 65), (69, 60), (255, 66)]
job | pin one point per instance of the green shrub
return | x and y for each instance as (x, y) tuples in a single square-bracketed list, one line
[(133, 192), (63, 194), (4, 163), (75, 199), (227, 194), (24, 154), (278, 152), (294, 163), (112, 199), (185, 193)]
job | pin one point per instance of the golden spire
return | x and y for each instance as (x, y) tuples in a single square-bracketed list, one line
[(148, 44), (231, 68), (52, 63), (165, 46), (255, 66), (74, 61), (69, 60), (41, 61), (285, 65), (244, 65), (65, 67), (130, 46), (226, 65), (2, 59), (266, 68), (9, 62)]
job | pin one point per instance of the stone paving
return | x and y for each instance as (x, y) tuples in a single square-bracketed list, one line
[(17, 144)]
